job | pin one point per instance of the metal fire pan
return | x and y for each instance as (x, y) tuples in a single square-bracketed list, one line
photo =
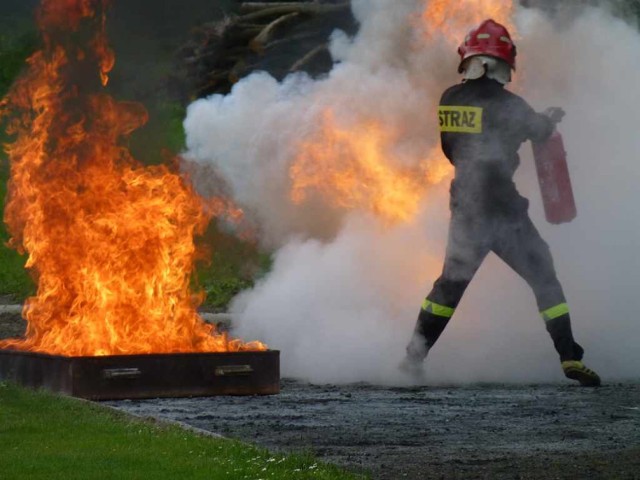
[(145, 376)]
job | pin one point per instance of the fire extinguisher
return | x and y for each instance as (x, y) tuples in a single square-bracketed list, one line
[(553, 177)]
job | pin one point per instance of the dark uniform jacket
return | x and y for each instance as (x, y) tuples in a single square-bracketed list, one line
[(482, 126)]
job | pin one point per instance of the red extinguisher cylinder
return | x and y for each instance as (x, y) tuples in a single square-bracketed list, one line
[(553, 177)]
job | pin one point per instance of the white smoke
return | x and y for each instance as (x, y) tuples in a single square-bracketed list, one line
[(344, 291)]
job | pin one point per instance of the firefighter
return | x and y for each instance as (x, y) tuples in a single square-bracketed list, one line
[(482, 126)]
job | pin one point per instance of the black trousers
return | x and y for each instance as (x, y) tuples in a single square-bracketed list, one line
[(517, 242)]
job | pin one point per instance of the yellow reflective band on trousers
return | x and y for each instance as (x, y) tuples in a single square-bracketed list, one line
[(439, 310), (555, 312)]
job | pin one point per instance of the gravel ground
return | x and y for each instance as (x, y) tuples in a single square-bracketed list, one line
[(554, 431), (476, 431), (11, 323)]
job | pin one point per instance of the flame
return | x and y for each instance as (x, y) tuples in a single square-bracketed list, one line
[(110, 242), (454, 18), (354, 168)]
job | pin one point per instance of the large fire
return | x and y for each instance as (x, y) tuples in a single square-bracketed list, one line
[(110, 241), (354, 168)]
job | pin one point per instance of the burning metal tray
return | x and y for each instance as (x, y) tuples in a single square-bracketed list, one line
[(146, 376)]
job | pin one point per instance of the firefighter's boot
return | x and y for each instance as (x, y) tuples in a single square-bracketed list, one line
[(559, 327), (576, 370), (431, 322), (413, 362)]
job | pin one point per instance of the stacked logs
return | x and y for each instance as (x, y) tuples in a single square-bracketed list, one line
[(278, 37)]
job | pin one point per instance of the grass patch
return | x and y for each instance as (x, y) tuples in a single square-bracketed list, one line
[(230, 266), (14, 280), (45, 436), (17, 42)]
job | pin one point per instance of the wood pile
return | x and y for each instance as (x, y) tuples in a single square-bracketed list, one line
[(279, 37), (275, 36)]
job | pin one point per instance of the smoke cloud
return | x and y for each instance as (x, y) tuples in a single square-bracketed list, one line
[(345, 288)]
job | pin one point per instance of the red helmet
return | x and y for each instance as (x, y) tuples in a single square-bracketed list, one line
[(490, 38)]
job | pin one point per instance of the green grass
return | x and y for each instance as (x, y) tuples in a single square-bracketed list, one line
[(45, 436), (14, 280), (230, 266), (14, 49)]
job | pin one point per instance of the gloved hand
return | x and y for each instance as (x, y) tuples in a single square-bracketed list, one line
[(555, 114)]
